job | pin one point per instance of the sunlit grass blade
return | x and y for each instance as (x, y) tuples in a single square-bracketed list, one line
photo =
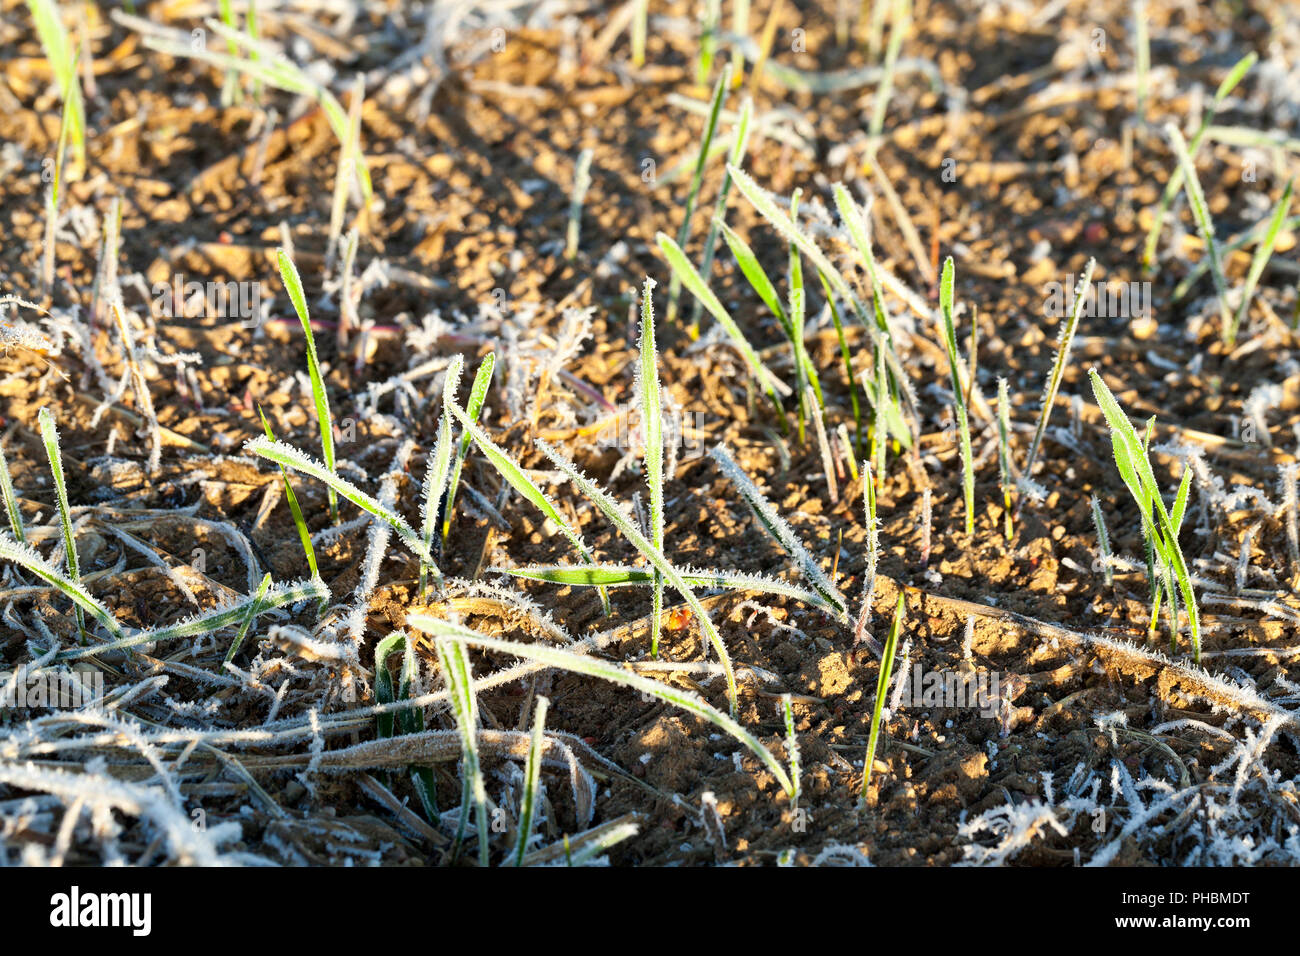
[(605, 670), (514, 475), (50, 439), (652, 428), (739, 144), (1204, 225), (1081, 292), (1103, 542), (435, 482), (619, 575), (640, 15), (581, 183), (345, 174), (882, 688), (1004, 455), (1135, 469), (683, 269), (279, 595), (654, 555), (26, 557), (293, 285), (781, 531), (697, 178), (254, 607), (1176, 177), (299, 521), (464, 705), (289, 457), (477, 395), (901, 22), (532, 777), (59, 51), (11, 500), (1257, 263), (959, 395)]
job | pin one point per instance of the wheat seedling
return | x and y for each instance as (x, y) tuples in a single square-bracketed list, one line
[(477, 395), (25, 556), (741, 141), (581, 183), (52, 196), (609, 507), (532, 777), (1004, 455), (1135, 469), (293, 285), (510, 470), (464, 705), (299, 521), (409, 720), (1260, 259), (266, 65), (1103, 542), (647, 387), (791, 748), (254, 607), (710, 18), (1081, 292), (349, 146), (62, 58), (435, 483), (1176, 178), (10, 500), (697, 179), (959, 395), (882, 688), (289, 457), (567, 660), (901, 21), (685, 273), (781, 532), (1204, 225), (50, 438)]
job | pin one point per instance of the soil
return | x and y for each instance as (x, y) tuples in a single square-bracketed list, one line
[(1022, 184)]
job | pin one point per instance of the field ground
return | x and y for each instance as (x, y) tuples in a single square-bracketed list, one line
[(1014, 143)]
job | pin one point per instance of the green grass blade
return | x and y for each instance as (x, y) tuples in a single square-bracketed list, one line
[(604, 670), (293, 285), (959, 395), (618, 575), (289, 457), (435, 482), (50, 438), (655, 556), (299, 522), (882, 688), (1066, 339), (697, 179), (782, 532), (1257, 263), (1176, 178), (515, 477), (1204, 225), (1135, 469), (11, 500), (477, 395), (686, 273), (532, 777), (464, 705), (280, 595), (652, 427), (250, 615), (25, 556)]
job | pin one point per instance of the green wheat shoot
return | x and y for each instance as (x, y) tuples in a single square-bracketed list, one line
[(959, 395), (882, 689)]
